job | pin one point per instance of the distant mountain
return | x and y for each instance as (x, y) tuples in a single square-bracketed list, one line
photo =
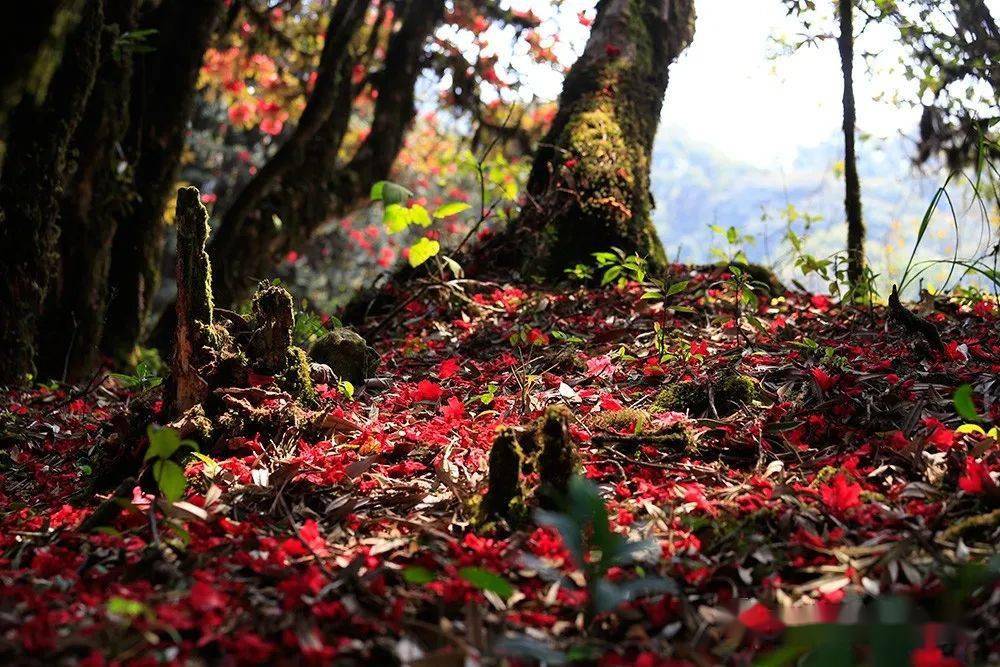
[(695, 185)]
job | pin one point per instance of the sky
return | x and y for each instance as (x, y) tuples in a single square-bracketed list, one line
[(728, 92)]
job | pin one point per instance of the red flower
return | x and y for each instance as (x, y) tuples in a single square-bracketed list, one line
[(204, 597), (612, 50), (761, 620), (427, 391), (448, 368), (240, 113), (454, 411), (931, 656), (840, 495), (824, 380), (976, 478)]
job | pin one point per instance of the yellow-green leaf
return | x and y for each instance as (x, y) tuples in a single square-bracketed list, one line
[(396, 218), (420, 216), (423, 250), (450, 209)]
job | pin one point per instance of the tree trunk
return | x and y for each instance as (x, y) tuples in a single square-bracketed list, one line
[(317, 136), (162, 100), (194, 298), (31, 49), (95, 199), (30, 188), (852, 183), (315, 188), (589, 186)]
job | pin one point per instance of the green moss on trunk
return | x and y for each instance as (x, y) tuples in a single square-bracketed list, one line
[(194, 298), (729, 392), (96, 198), (558, 459), (504, 475), (34, 174), (590, 180), (160, 106)]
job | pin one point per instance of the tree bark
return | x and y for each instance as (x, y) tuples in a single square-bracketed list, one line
[(852, 182), (30, 187), (94, 201), (589, 185), (162, 101), (247, 224), (315, 188), (31, 49), (194, 298)]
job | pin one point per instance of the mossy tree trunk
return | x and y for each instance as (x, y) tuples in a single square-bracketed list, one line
[(194, 297), (32, 181), (31, 48), (96, 198), (317, 186), (589, 186), (247, 227), (852, 182), (162, 100)]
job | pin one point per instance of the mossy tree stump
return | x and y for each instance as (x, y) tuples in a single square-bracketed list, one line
[(590, 181), (194, 297)]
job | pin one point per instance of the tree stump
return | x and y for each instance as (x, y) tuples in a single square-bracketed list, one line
[(194, 298)]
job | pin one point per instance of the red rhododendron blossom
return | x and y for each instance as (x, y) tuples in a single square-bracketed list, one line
[(976, 478), (427, 391), (824, 380), (448, 368), (454, 411), (761, 620), (840, 495)]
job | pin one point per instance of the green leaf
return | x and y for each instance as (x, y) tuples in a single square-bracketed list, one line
[(346, 388), (212, 466), (606, 596), (677, 288), (389, 193), (420, 216), (485, 580), (124, 607), (964, 405), (418, 575), (396, 218), (163, 442), (451, 208), (423, 250), (170, 479)]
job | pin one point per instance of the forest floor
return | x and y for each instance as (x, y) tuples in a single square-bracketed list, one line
[(830, 503)]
